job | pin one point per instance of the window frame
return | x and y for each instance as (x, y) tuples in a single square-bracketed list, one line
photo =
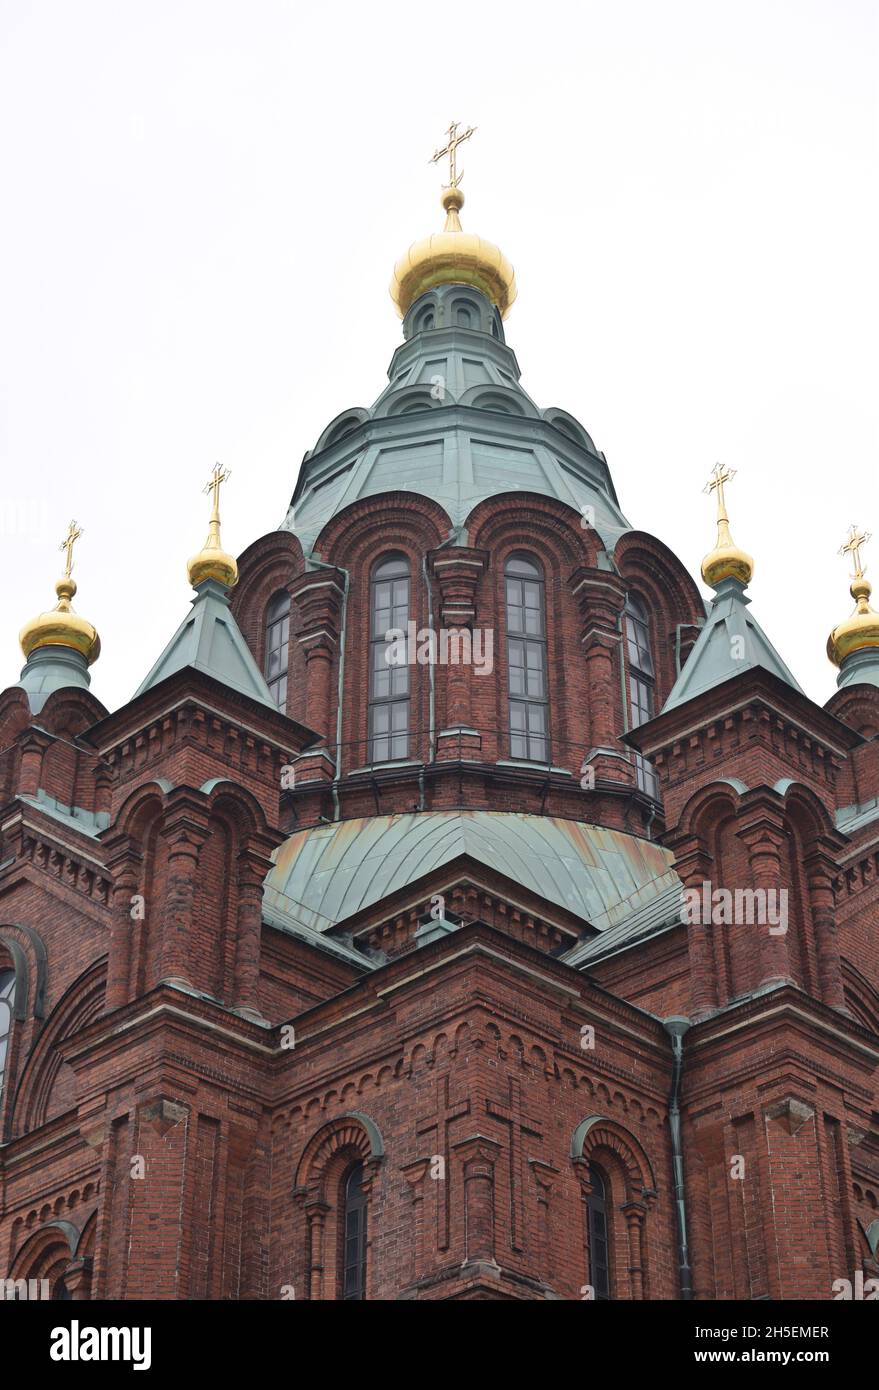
[(354, 1231), (7, 1007), (597, 1203), (640, 683), (277, 620), (389, 744), (529, 741)]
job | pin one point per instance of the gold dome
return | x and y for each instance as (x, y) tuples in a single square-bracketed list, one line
[(726, 560), (62, 627), (212, 561), (453, 257), (861, 629)]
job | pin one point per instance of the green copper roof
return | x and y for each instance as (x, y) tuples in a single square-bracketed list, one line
[(732, 641), (209, 640), (52, 668), (454, 424), (324, 875)]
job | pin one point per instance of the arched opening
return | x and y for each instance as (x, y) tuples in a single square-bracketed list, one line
[(7, 998), (642, 684), (353, 1231), (599, 1244)]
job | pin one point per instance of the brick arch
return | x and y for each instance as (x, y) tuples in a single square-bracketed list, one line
[(709, 806), (70, 712), (271, 564), (47, 1086), (599, 1132), (655, 574), (327, 1157), (629, 1174), (857, 706), (550, 531)]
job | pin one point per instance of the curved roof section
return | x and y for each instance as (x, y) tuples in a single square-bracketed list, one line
[(453, 424), (325, 875)]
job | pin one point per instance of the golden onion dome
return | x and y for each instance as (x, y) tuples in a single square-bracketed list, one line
[(212, 561), (861, 630), (62, 627), (453, 257), (726, 560)]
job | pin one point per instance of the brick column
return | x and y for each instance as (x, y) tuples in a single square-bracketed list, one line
[(125, 865), (185, 831), (762, 831), (34, 744), (478, 1157), (635, 1214), (821, 871), (252, 870), (318, 595), (601, 596), (694, 865), (456, 571)]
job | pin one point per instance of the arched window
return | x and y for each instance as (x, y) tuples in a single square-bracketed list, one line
[(277, 647), (426, 319), (599, 1250), (7, 992), (388, 680), (354, 1236), (526, 659), (642, 685), (463, 316)]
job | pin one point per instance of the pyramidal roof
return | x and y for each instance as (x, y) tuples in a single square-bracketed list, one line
[(209, 640), (732, 641)]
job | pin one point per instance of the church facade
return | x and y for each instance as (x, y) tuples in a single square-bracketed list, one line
[(461, 907)]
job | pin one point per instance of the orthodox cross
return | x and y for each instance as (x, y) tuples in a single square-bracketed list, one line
[(853, 547), (212, 486), (719, 476), (520, 1124), (450, 149), (446, 1112), (73, 534)]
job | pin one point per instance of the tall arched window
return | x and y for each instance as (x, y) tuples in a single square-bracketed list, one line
[(278, 647), (354, 1236), (599, 1251), (388, 681), (526, 659), (7, 991), (642, 685)]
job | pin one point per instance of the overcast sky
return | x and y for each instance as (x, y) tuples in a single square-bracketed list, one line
[(202, 202)]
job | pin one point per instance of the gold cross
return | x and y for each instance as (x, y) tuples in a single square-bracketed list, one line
[(720, 475), (450, 149), (219, 475), (73, 534), (853, 547)]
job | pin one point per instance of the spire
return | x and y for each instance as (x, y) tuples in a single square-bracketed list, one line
[(209, 639), (453, 256), (59, 645), (212, 561), (853, 645), (732, 640)]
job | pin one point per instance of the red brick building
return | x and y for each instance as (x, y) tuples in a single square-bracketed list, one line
[(537, 961)]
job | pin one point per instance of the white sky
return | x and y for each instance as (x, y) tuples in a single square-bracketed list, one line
[(202, 201)]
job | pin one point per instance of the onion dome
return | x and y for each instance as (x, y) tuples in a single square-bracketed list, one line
[(860, 631), (61, 627), (453, 256), (726, 560), (212, 561)]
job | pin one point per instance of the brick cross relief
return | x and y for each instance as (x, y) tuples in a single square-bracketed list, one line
[(446, 1113), (520, 1124)]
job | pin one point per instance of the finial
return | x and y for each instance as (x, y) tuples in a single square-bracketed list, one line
[(861, 629), (726, 560), (212, 561), (62, 627), (452, 198)]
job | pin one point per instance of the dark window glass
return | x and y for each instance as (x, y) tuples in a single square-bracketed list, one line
[(354, 1236), (278, 647), (526, 659), (599, 1252), (7, 992), (642, 685), (388, 682)]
